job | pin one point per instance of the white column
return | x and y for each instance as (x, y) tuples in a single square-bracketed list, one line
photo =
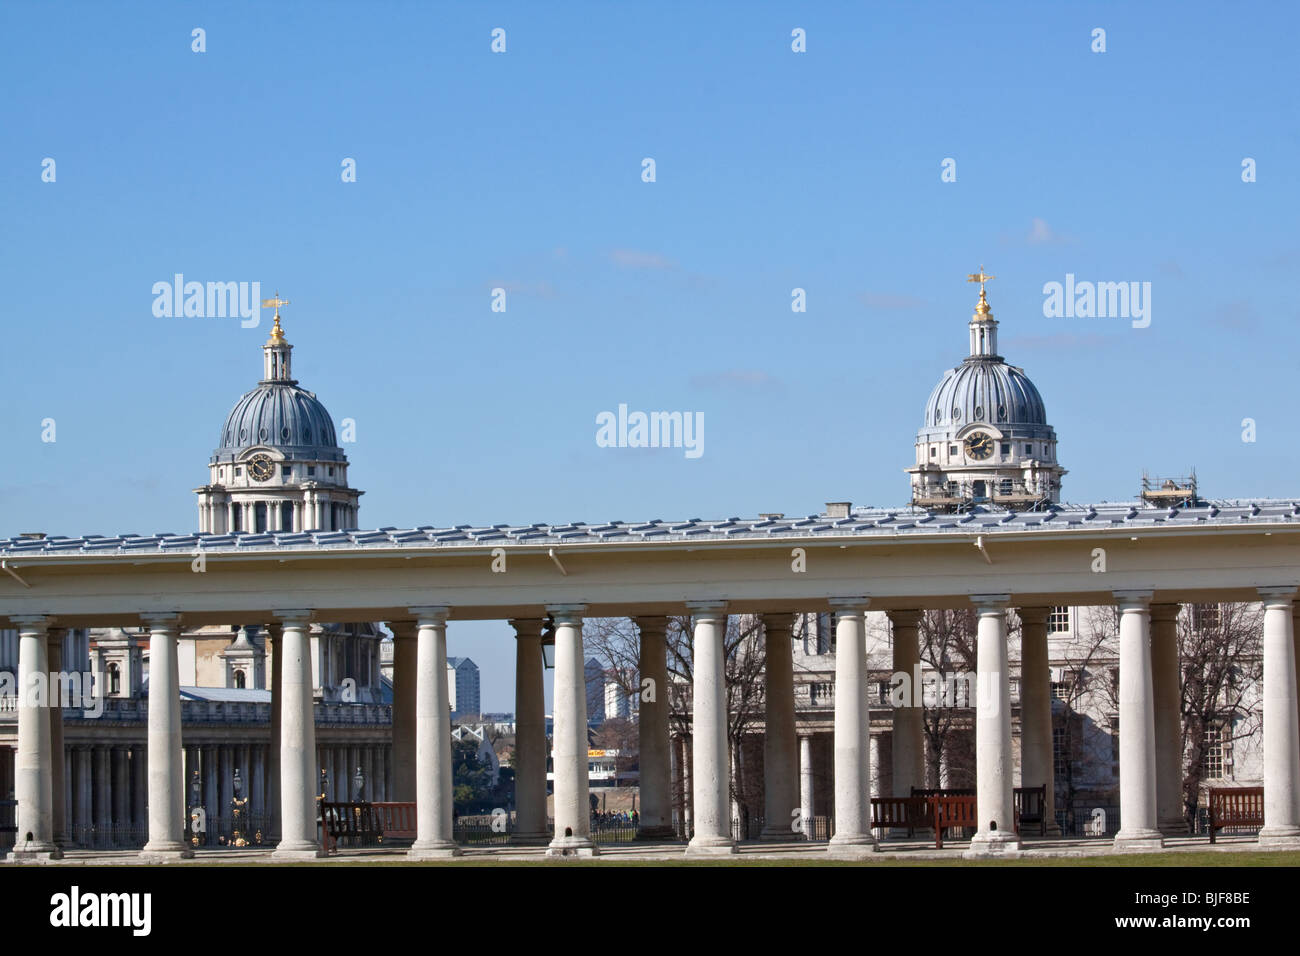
[(298, 838), (404, 668), (569, 749), (780, 745), (1036, 766), (853, 837), (996, 833), (1281, 733), (1137, 731), (166, 769), (33, 770), (709, 775), (433, 758), (805, 784), (530, 734), (1168, 719), (121, 816), (908, 743)]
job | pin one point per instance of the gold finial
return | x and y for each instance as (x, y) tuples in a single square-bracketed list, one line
[(981, 277), (277, 333)]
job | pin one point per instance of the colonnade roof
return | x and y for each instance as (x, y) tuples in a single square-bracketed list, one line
[(861, 523)]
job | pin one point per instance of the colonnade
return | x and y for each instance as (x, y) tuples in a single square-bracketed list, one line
[(421, 758)]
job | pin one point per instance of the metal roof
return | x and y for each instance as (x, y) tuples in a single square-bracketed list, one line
[(861, 523)]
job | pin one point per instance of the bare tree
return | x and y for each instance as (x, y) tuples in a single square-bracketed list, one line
[(615, 642), (948, 648), (1221, 653)]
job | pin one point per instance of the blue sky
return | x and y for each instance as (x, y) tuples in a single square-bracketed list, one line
[(522, 170)]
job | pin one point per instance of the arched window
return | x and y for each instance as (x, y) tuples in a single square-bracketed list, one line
[(114, 679), (239, 679)]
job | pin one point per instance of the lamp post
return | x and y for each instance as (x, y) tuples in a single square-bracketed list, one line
[(198, 816)]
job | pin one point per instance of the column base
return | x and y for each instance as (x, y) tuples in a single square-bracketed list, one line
[(439, 850), (1280, 837), (539, 838), (572, 848), (166, 851), (297, 850), (852, 847), (1138, 840), (1054, 831), (1174, 827), (34, 852), (996, 843), (711, 846), (658, 832)]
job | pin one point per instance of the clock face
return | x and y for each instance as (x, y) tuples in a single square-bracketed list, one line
[(979, 446), (260, 467)]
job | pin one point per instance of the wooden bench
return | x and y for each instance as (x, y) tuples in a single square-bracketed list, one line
[(936, 810), (365, 824), (900, 813), (1030, 807), (1235, 807), (9, 817), (952, 812)]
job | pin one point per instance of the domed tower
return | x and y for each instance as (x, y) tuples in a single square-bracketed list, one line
[(278, 466), (985, 439)]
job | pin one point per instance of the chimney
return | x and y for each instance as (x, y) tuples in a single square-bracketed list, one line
[(838, 509), (32, 535), (771, 515)]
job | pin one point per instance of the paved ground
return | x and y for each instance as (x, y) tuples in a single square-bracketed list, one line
[(899, 851)]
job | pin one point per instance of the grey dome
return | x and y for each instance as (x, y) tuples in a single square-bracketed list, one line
[(986, 389), (283, 416)]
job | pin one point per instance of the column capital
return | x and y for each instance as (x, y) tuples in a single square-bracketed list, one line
[(854, 604), (652, 623), (430, 614), (293, 617), (1133, 600), (1277, 595), (402, 630), (161, 620), (1034, 615), (1164, 612), (566, 613), (779, 621), (526, 627), (707, 609), (31, 623), (905, 618), (990, 603)]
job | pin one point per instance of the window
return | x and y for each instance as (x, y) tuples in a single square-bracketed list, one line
[(1060, 750), (952, 450), (934, 451), (1114, 680), (1006, 448), (1058, 620), (239, 472), (1217, 755), (1205, 617), (114, 679), (825, 633), (239, 679), (1006, 486), (1062, 689), (882, 693), (311, 471), (286, 471), (1029, 449), (330, 472)]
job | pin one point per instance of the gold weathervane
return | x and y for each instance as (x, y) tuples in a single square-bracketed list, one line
[(275, 302), (981, 277)]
